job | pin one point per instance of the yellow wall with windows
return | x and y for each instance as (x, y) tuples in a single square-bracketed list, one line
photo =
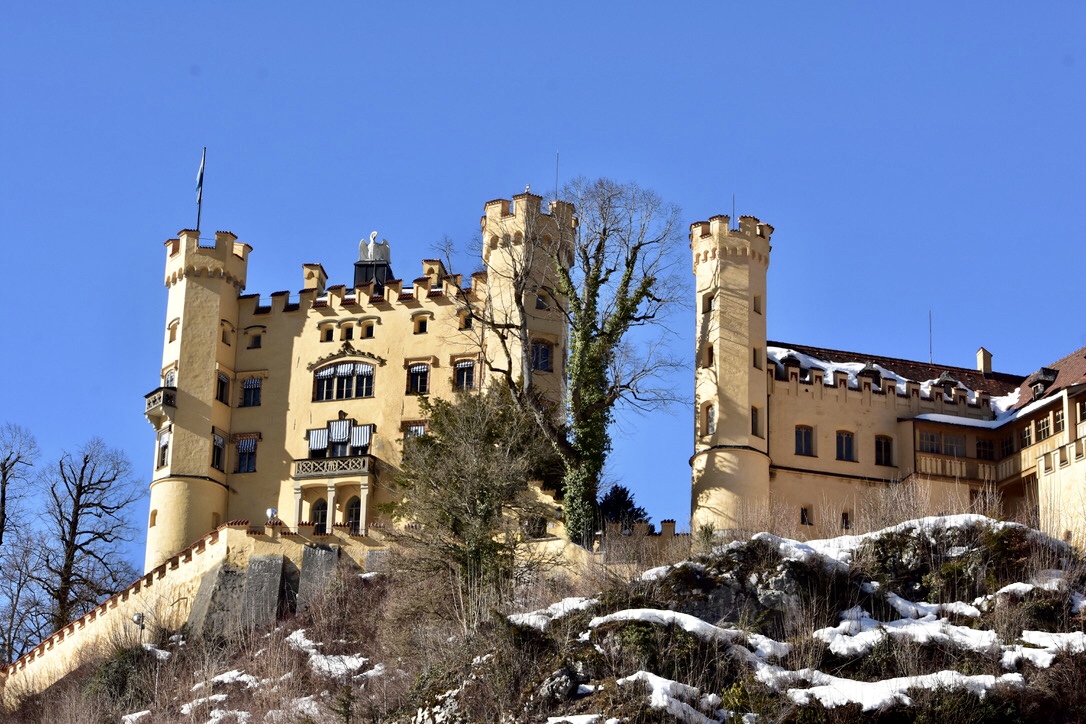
[(284, 340)]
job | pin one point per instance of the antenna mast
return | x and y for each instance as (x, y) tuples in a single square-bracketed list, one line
[(556, 175), (931, 356)]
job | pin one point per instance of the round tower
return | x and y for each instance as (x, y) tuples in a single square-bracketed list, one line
[(190, 411), (730, 462)]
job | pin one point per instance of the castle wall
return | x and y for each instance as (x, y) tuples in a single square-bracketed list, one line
[(165, 597)]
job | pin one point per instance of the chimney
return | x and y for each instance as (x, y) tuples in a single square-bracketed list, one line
[(984, 361)]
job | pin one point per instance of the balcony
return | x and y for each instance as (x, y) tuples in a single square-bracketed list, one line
[(160, 405), (954, 467), (333, 467)]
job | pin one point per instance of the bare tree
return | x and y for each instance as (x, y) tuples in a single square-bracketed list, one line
[(625, 277), (471, 512), (84, 525), (606, 265), (18, 452), (24, 608)]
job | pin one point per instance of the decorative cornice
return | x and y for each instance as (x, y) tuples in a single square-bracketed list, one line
[(347, 350)]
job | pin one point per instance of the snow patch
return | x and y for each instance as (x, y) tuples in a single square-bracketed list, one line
[(542, 618)]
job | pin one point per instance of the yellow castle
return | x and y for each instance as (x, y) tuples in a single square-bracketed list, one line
[(294, 409), (801, 438)]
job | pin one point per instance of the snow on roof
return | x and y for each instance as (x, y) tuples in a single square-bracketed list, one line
[(1000, 386)]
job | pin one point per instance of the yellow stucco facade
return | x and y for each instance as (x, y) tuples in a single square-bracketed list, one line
[(299, 403), (808, 440)]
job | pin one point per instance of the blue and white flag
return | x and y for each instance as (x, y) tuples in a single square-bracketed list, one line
[(200, 178)]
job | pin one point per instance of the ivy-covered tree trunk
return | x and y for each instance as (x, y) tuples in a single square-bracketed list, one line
[(623, 277)]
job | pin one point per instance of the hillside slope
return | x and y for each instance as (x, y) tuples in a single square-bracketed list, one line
[(958, 616)]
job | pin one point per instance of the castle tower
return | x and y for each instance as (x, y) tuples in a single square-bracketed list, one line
[(190, 411), (521, 243), (731, 461)]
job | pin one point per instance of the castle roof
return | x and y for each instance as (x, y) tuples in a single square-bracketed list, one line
[(996, 384), (1069, 371)]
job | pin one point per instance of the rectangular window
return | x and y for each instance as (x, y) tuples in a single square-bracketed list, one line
[(845, 449), (1044, 429), (222, 389), (804, 440), (414, 430), (805, 517), (420, 326), (757, 358), (708, 302), (163, 456), (930, 443), (367, 331), (755, 422), (250, 392), (246, 451), (541, 356), (338, 449), (363, 384), (1006, 446), (418, 379), (1082, 411), (1058, 427), (465, 375), (328, 334), (325, 389), (985, 450), (218, 452), (954, 445), (348, 333), (344, 387), (1027, 435), (884, 450), (255, 341), (757, 304), (846, 520)]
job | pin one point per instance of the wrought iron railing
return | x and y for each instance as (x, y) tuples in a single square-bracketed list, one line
[(328, 467)]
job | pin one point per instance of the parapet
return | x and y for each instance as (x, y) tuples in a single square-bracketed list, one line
[(227, 258), (715, 238), (506, 222)]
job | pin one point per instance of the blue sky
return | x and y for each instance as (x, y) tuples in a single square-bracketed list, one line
[(914, 157)]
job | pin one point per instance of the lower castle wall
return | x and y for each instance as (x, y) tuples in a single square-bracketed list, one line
[(164, 595)]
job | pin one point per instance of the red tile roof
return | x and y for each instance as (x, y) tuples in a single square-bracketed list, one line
[(1070, 370), (995, 384)]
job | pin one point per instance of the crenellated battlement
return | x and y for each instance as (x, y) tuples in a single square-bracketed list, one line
[(227, 259), (506, 223), (716, 238)]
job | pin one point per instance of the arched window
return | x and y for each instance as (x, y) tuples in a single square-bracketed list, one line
[(170, 380), (343, 381), (153, 519), (710, 419), (354, 515)]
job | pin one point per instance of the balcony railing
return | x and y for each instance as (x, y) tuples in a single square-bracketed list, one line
[(330, 467), (163, 396), (953, 467)]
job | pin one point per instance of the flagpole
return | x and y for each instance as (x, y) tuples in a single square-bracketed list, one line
[(200, 191)]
